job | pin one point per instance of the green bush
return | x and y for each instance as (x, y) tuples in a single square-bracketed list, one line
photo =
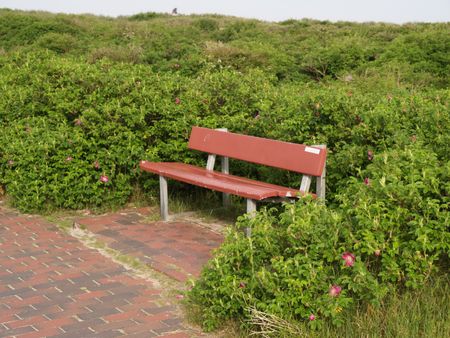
[(56, 42), (425, 53), (207, 24), (155, 113), (130, 54), (311, 262), (51, 165), (18, 29), (289, 51), (146, 16), (335, 57)]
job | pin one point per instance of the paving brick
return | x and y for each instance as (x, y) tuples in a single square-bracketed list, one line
[(98, 312), (53, 332), (84, 332), (19, 331), (146, 334), (176, 335), (154, 310), (87, 295), (25, 322), (76, 325), (115, 326), (173, 321)]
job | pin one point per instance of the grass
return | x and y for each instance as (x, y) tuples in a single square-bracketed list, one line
[(206, 204), (417, 313)]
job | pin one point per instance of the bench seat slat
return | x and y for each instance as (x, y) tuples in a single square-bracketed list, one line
[(240, 186)]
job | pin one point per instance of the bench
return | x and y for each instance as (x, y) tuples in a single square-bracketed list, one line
[(307, 160)]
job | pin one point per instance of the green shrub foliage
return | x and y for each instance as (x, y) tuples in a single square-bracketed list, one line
[(119, 114), (390, 229)]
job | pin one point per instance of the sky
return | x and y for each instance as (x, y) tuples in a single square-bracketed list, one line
[(394, 11)]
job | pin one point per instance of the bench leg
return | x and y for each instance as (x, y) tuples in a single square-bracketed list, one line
[(164, 200), (320, 186), (225, 165), (226, 199), (251, 210)]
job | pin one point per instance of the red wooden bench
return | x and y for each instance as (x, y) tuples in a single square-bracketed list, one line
[(307, 160)]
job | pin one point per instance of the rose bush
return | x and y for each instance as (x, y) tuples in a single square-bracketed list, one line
[(312, 262), (118, 114)]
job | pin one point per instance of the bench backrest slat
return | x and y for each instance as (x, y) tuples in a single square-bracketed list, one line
[(285, 155)]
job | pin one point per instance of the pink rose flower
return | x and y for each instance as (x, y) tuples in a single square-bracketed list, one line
[(69, 158), (177, 100), (104, 179), (335, 290), (349, 258), (312, 317)]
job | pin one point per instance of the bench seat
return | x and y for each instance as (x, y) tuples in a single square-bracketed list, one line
[(218, 181)]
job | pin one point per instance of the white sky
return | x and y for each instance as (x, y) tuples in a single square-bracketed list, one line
[(397, 11)]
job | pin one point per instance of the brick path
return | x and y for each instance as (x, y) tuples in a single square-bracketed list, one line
[(176, 249), (52, 285)]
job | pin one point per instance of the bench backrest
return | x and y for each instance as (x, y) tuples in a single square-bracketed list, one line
[(285, 155)]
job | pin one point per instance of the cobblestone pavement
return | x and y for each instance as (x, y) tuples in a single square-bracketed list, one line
[(51, 285)]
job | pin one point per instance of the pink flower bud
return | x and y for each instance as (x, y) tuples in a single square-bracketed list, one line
[(241, 285), (367, 181), (335, 290), (177, 101), (349, 258), (312, 317), (104, 179)]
